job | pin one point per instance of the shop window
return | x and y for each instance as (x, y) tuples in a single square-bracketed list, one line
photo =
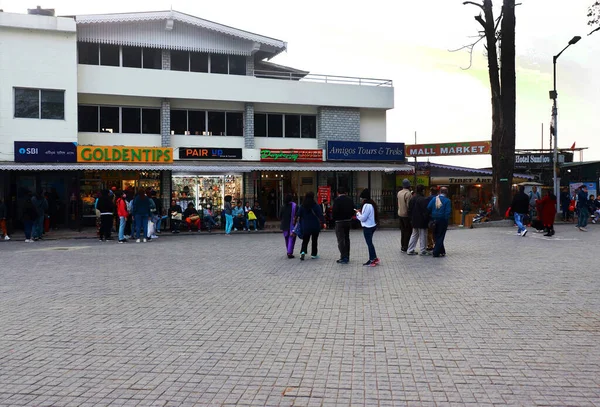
[(180, 61), (152, 58), (292, 125), (218, 63), (151, 121), (87, 118), (109, 119), (178, 121), (235, 124), (197, 122), (132, 57), (237, 65), (198, 62), (275, 125), (216, 123), (309, 126), (260, 125), (27, 103), (109, 55), (53, 104), (39, 103), (131, 120), (88, 54)]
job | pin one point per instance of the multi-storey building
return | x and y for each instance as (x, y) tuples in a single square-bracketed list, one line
[(185, 106)]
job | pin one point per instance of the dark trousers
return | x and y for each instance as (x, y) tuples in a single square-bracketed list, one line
[(106, 226), (342, 232), (315, 241), (405, 231), (28, 225), (368, 233), (441, 226)]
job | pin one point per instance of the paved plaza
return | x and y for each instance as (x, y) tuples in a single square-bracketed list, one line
[(211, 320)]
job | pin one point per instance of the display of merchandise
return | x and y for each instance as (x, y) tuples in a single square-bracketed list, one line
[(205, 190)]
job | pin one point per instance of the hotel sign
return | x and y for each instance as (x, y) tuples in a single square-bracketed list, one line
[(292, 155), (448, 149), (533, 161), (119, 154)]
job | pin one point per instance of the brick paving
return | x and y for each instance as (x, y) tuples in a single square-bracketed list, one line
[(229, 320)]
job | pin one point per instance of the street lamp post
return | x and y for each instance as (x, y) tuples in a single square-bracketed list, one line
[(554, 96)]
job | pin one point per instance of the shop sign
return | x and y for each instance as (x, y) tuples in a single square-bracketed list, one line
[(461, 180), (118, 154), (292, 155), (539, 160), (199, 153), (324, 194), (422, 179), (460, 148), (45, 152), (364, 151)]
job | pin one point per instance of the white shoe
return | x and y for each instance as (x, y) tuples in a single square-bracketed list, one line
[(153, 237), (6, 237), (461, 226), (518, 233), (138, 240), (27, 240), (145, 240), (524, 233)]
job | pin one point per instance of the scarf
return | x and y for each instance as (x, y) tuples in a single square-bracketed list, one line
[(438, 202)]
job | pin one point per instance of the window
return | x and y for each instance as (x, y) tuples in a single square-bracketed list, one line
[(87, 118), (53, 104), (275, 125), (237, 65), (179, 121), (198, 62), (218, 63), (296, 126), (151, 121), (88, 53), (260, 125), (309, 126), (197, 122), (109, 120), (235, 124), (292, 125), (109, 55), (216, 123), (180, 61), (152, 58), (27, 103), (131, 118), (39, 103), (132, 57)]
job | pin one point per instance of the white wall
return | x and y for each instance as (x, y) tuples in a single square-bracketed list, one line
[(285, 143), (112, 100), (376, 180), (207, 105), (373, 125), (119, 139), (278, 108), (40, 55)]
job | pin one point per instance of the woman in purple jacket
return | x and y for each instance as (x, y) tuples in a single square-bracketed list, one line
[(288, 214)]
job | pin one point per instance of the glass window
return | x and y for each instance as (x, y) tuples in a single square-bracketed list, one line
[(292, 125), (109, 55), (275, 128), (309, 126), (235, 124), (180, 61), (198, 62), (131, 118), (132, 57), (27, 103), (218, 63), (87, 53), (216, 123), (152, 58), (178, 121), (197, 122), (260, 125), (53, 104), (151, 121), (237, 65), (87, 118), (109, 119)]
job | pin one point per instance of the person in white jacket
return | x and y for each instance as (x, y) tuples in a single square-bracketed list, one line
[(368, 218)]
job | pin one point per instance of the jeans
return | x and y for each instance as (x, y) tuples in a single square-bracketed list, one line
[(141, 224), (228, 223), (28, 224), (406, 231), (342, 232), (582, 221), (158, 221), (239, 222), (441, 226), (38, 227), (106, 226), (290, 241), (418, 235), (122, 222), (253, 222), (209, 221), (519, 221), (368, 233), (315, 240)]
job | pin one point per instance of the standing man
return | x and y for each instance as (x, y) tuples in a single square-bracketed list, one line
[(534, 196), (419, 217), (464, 210), (404, 196), (430, 241), (342, 213), (520, 207), (565, 202), (41, 205), (440, 209), (582, 205)]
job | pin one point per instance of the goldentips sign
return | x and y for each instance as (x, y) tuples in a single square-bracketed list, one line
[(447, 149), (364, 151), (112, 154), (305, 156)]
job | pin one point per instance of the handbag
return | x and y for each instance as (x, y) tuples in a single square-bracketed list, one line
[(251, 215), (177, 216), (298, 230)]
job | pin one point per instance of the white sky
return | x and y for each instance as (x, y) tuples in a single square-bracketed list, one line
[(408, 41)]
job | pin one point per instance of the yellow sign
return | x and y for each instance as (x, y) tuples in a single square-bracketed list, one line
[(118, 154)]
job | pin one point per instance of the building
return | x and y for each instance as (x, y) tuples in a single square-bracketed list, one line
[(173, 102)]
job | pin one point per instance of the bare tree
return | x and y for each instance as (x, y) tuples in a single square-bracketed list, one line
[(594, 17)]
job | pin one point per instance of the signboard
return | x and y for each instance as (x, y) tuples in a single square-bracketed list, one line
[(469, 180), (364, 151), (448, 149), (536, 160), (574, 188), (293, 155), (119, 154), (324, 194), (45, 152), (200, 153)]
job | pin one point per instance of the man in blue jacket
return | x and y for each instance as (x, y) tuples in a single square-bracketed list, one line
[(440, 208), (582, 205)]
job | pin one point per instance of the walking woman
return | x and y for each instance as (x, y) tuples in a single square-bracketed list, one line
[(547, 212), (288, 215), (141, 212), (228, 215), (368, 217), (311, 219)]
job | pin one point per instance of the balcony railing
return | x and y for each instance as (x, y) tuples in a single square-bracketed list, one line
[(342, 80)]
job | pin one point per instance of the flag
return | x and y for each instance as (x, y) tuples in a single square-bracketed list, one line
[(573, 146)]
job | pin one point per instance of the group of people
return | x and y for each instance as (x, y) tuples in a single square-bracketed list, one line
[(33, 213)]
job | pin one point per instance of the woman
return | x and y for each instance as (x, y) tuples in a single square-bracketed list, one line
[(106, 208), (368, 217), (141, 212), (547, 208), (192, 217), (123, 214), (288, 215), (176, 216), (228, 215), (29, 216), (311, 219), (209, 219)]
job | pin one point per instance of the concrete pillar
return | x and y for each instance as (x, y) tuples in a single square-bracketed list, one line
[(166, 59), (165, 114), (249, 125), (250, 65)]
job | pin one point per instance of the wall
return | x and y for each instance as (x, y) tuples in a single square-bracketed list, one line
[(119, 139), (337, 123), (278, 142), (205, 141), (373, 125), (112, 100)]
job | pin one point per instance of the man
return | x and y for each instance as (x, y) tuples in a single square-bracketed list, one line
[(534, 196), (520, 207), (404, 196), (260, 217), (465, 209), (159, 216), (419, 217), (41, 205), (239, 218), (433, 191), (582, 205), (440, 209), (565, 202), (342, 213)]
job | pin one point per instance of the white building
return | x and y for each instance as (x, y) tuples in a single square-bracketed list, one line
[(183, 105)]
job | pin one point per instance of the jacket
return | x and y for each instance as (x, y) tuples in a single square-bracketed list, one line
[(122, 208), (418, 213), (288, 214), (41, 205), (189, 211), (29, 211), (442, 213), (403, 199), (343, 208), (227, 208), (367, 216), (311, 219), (141, 206), (582, 199), (547, 209), (159, 206), (520, 203), (105, 205)]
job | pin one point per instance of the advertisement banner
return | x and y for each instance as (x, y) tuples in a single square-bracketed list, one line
[(448, 149), (209, 153), (591, 187), (364, 151), (45, 152), (324, 195), (292, 155), (472, 180), (118, 154)]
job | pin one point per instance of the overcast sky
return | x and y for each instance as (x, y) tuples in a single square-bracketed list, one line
[(408, 42)]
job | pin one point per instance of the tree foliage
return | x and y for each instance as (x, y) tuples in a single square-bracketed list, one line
[(594, 16)]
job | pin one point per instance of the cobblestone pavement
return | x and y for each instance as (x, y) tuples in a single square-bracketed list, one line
[(229, 320)]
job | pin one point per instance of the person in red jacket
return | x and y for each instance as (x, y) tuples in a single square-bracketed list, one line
[(123, 214), (547, 208)]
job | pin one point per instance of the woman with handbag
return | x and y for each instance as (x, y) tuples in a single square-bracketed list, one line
[(192, 217), (311, 220), (176, 216), (288, 216), (368, 218)]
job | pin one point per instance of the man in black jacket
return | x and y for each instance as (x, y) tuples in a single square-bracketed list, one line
[(342, 213), (419, 217), (520, 207)]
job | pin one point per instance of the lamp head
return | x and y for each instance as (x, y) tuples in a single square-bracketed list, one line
[(575, 40)]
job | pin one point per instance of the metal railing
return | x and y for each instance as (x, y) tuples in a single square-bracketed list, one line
[(342, 80)]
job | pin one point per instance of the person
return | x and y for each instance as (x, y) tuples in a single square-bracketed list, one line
[(520, 208), (368, 217), (250, 216), (534, 196), (260, 217), (547, 212), (191, 217), (228, 212), (404, 196), (41, 206), (311, 219), (342, 212), (159, 215), (592, 208), (176, 216), (465, 209), (3, 215), (565, 202), (433, 192), (239, 220), (53, 208), (141, 212), (106, 208), (123, 214), (209, 218), (419, 218), (582, 206), (29, 215), (288, 216), (440, 209), (597, 208)]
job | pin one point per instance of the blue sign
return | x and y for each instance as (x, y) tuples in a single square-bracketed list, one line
[(45, 152), (364, 151)]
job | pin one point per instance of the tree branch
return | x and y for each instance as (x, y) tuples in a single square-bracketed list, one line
[(481, 21), (597, 29), (473, 4), (471, 48)]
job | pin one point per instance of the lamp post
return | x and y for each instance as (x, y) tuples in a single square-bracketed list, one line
[(554, 96)]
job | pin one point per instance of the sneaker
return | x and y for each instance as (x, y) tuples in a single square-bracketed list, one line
[(368, 263), (524, 233), (153, 237), (302, 255), (138, 240), (583, 229), (100, 240), (121, 241), (343, 261), (235, 229), (145, 240), (425, 253), (373, 264), (412, 253), (291, 256), (27, 240), (518, 233), (6, 237), (315, 257), (461, 226), (403, 250), (376, 261)]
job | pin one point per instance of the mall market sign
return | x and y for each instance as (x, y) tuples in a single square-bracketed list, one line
[(112, 154), (448, 149), (199, 153), (364, 151), (292, 155), (45, 152)]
